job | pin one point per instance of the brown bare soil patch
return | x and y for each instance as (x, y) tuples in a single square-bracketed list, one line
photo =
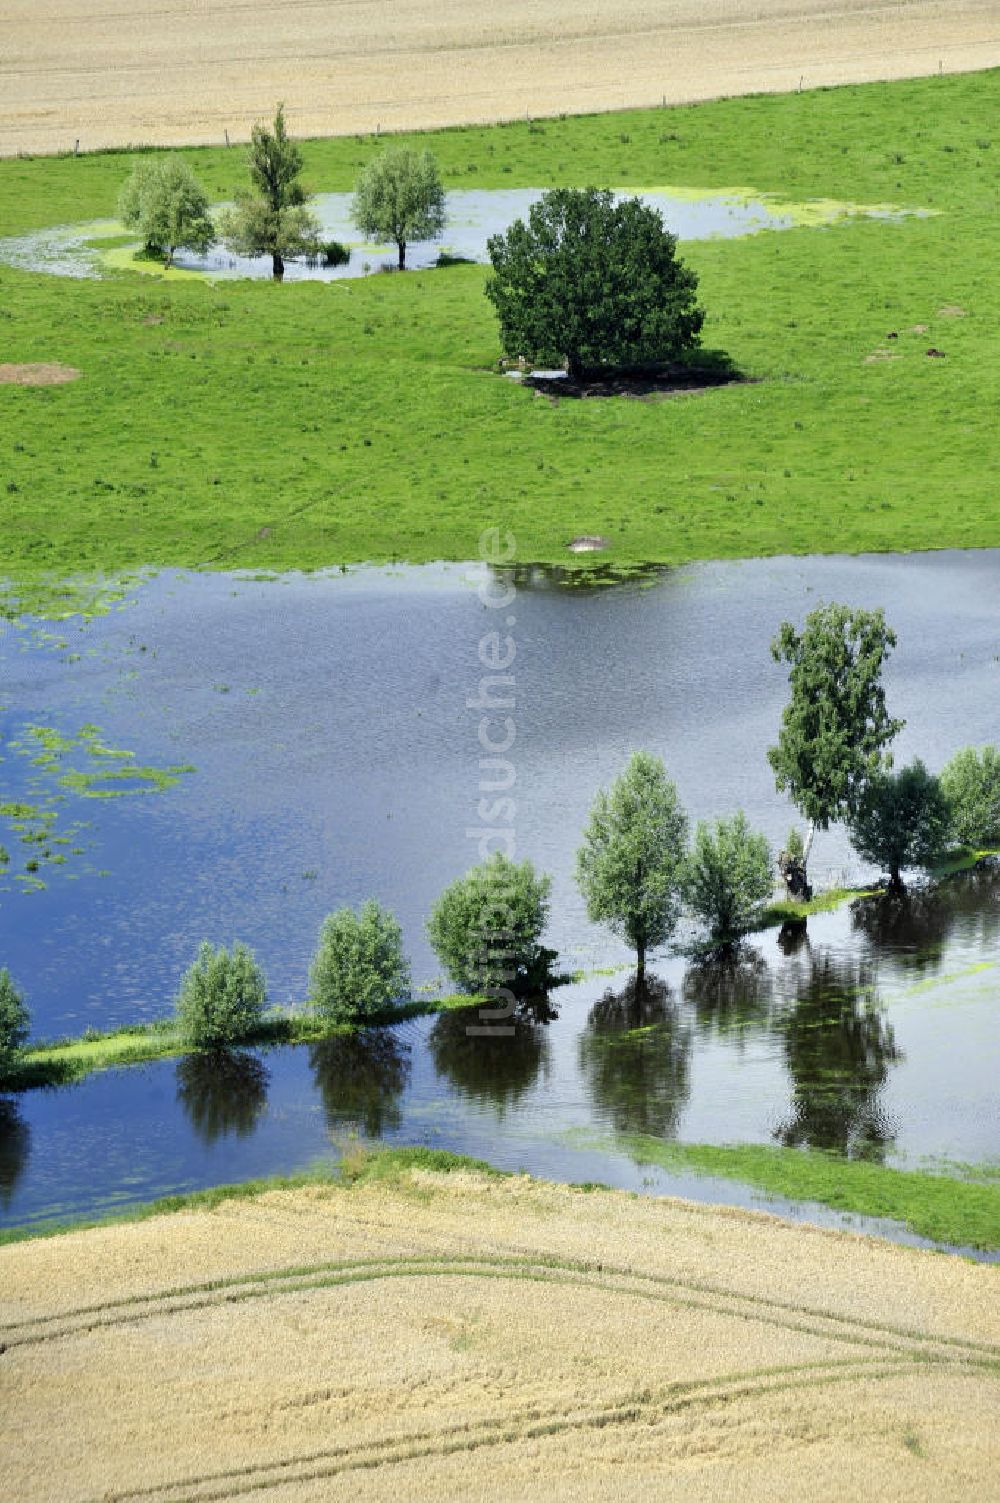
[(952, 310), (452, 1337), (48, 373), (173, 71)]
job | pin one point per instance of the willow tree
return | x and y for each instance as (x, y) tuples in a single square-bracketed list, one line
[(164, 201), (272, 220), (835, 729), (631, 864), (399, 197), (902, 819)]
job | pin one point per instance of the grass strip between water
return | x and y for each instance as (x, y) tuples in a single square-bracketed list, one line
[(66, 1061)]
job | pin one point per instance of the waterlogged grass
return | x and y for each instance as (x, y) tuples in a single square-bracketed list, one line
[(960, 1211), (272, 427), (63, 765), (787, 910), (963, 859), (65, 1061)]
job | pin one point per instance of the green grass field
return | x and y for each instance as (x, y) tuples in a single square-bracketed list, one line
[(248, 425)]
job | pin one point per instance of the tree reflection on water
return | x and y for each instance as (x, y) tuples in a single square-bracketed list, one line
[(361, 1078), (838, 1048), (15, 1147), (911, 930), (635, 1057), (223, 1092), (498, 1068), (732, 994)]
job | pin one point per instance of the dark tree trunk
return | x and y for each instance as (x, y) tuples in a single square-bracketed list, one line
[(402, 254), (640, 962), (277, 266), (896, 881)]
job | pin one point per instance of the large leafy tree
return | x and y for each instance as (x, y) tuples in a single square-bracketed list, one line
[(273, 219), (359, 969), (399, 197), (835, 729), (164, 201), (592, 284), (630, 865), (901, 819), (222, 998)]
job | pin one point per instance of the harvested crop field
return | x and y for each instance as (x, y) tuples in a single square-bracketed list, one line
[(460, 1336), (172, 71)]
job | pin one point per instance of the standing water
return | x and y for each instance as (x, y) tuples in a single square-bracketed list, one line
[(334, 755)]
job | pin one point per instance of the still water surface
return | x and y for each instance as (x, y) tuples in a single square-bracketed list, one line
[(336, 756), (473, 216)]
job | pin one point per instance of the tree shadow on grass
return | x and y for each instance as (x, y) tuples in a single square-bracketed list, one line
[(701, 371)]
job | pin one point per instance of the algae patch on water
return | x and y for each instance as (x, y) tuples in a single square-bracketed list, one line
[(60, 766)]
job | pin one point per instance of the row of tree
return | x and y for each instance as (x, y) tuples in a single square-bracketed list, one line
[(588, 282), (398, 197), (635, 867)]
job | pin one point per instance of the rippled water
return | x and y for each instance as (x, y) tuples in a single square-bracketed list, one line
[(336, 756)]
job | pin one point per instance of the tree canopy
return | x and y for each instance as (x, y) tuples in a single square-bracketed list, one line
[(630, 865), (592, 284), (901, 819), (728, 878), (14, 1022), (163, 200), (273, 219), (359, 969), (486, 926), (835, 729), (222, 997), (399, 197), (971, 782)]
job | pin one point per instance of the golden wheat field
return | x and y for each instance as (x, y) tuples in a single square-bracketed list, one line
[(453, 1336), (112, 72)]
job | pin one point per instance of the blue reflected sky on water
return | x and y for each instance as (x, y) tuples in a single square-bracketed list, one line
[(336, 757), (326, 717)]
